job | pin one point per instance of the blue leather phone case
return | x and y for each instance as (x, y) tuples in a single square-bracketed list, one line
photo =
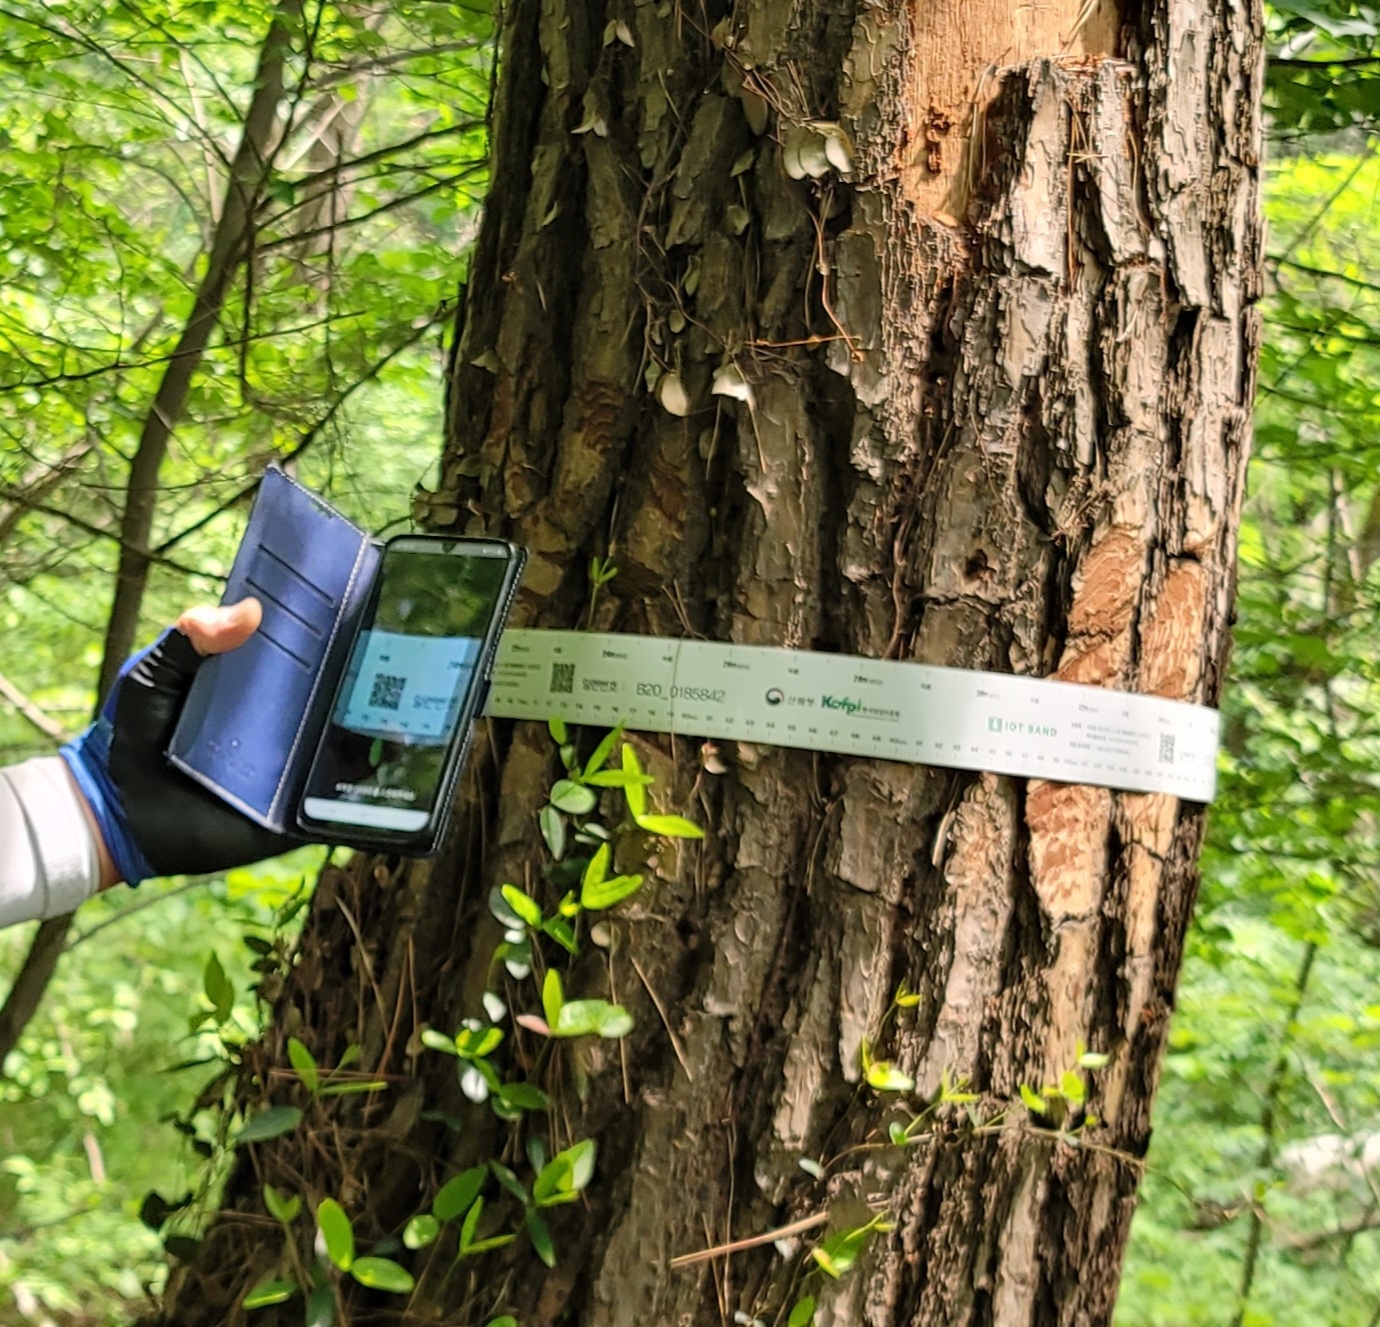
[(253, 717)]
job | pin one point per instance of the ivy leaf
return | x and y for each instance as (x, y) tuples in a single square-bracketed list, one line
[(509, 1181), (601, 753), (886, 1077), (524, 906), (502, 910), (220, 991), (552, 825), (270, 1292), (283, 1210), (583, 1018), (421, 1231), (1034, 1102), (609, 892), (524, 1096), (673, 827), (617, 778), (541, 1237), (336, 1233), (438, 1041), (595, 870), (572, 798), (476, 1043), (802, 1312), (565, 1176), (383, 1274), (636, 789), (305, 1063), (552, 998), (470, 1224), (270, 1123), (560, 734), (458, 1193)]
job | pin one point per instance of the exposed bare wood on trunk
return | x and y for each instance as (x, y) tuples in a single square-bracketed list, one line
[(1012, 439)]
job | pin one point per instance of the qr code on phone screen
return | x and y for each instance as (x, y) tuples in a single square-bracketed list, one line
[(563, 678), (387, 690)]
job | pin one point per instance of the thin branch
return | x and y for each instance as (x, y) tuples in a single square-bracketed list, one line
[(1281, 261), (310, 436), (148, 901), (287, 241), (738, 1245), (48, 727)]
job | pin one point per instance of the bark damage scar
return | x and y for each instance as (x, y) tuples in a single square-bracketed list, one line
[(1068, 824), (1172, 649)]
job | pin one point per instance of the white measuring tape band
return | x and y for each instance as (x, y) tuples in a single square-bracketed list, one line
[(920, 713)]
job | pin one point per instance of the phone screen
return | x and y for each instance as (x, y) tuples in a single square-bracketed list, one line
[(410, 684)]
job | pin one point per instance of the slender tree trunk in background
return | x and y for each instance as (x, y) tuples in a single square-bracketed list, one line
[(228, 247), (974, 281)]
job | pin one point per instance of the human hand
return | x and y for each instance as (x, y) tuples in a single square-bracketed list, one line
[(152, 819)]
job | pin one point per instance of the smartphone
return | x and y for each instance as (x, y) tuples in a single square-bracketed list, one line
[(386, 767)]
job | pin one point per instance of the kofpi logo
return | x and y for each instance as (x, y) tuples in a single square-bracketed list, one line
[(845, 703)]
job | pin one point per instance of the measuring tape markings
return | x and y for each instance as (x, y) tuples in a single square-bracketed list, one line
[(881, 709)]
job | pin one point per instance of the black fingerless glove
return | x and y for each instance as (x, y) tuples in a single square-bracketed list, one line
[(154, 819)]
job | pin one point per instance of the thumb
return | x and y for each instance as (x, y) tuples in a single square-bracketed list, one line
[(217, 630)]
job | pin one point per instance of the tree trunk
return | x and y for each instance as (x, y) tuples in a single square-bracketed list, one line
[(974, 284)]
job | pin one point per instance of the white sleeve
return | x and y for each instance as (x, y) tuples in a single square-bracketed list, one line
[(48, 856)]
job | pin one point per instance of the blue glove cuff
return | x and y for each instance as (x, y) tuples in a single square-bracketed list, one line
[(88, 757)]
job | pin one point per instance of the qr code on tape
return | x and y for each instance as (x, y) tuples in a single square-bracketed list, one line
[(387, 691)]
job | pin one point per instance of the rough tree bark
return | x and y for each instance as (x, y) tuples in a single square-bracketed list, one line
[(988, 271)]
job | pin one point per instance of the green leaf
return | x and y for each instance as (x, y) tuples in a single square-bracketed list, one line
[(565, 1175), (601, 753), (896, 1131), (270, 1292), (1094, 1060), (503, 911), (673, 827), (383, 1274), (336, 1232), (458, 1193), (609, 892), (541, 1237), (321, 1307), (572, 798), (421, 1231), (562, 932), (509, 1181), (802, 1312), (351, 1088), (471, 1224), (219, 989), (270, 1123), (1072, 1087), (617, 778), (636, 791), (305, 1064), (507, 1320), (552, 998), (595, 870), (560, 734), (493, 1242), (524, 1096), (886, 1077), (525, 907), (583, 1018), (837, 1254), (1033, 1100), (552, 825), (438, 1041), (284, 1210), (476, 1043)]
